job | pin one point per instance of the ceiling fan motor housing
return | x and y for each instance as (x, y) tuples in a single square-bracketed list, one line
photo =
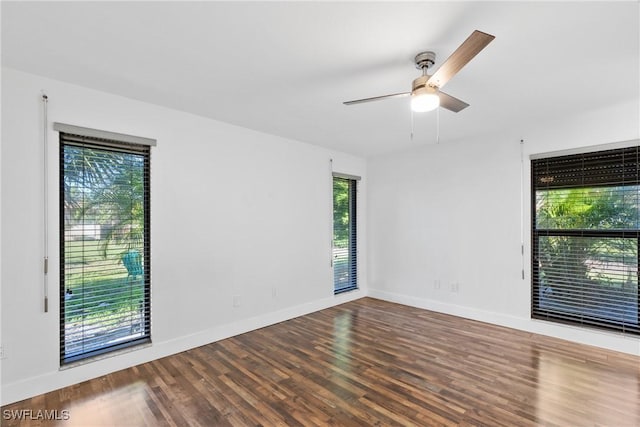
[(420, 82)]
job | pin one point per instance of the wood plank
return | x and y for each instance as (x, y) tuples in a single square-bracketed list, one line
[(365, 362)]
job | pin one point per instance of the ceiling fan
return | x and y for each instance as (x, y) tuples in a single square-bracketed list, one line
[(425, 91)]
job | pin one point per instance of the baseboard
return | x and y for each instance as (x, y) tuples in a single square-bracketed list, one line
[(603, 339), (24, 389)]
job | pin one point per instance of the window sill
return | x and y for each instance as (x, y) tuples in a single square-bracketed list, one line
[(104, 356)]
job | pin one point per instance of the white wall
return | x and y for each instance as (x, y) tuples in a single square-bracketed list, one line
[(449, 214), (234, 212), (1, 340)]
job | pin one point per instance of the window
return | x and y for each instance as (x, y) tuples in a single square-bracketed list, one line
[(104, 244), (345, 265), (586, 230)]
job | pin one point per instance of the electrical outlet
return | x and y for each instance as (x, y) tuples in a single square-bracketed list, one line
[(455, 287), (236, 300), (2, 355), (436, 284)]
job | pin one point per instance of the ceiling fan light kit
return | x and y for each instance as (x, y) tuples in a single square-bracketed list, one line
[(426, 94), (424, 99)]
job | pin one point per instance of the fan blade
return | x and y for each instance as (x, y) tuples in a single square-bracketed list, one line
[(451, 103), (458, 59), (377, 98)]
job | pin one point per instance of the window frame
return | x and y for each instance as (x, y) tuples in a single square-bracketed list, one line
[(84, 138), (628, 176), (352, 257)]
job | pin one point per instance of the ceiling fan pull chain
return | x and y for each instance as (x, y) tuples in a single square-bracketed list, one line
[(411, 125), (437, 126)]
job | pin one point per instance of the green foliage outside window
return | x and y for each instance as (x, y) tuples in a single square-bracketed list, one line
[(586, 260), (341, 213)]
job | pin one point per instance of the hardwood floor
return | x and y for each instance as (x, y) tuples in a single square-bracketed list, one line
[(367, 362)]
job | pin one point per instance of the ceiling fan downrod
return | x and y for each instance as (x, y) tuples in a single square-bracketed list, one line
[(424, 61)]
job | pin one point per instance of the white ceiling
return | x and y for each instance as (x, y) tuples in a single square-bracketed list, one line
[(284, 68)]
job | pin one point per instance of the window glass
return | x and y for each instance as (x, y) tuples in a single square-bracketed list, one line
[(105, 280), (585, 237), (344, 235)]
